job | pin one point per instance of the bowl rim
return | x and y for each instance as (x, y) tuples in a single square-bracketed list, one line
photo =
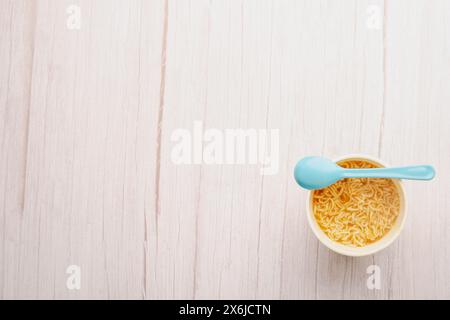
[(374, 247)]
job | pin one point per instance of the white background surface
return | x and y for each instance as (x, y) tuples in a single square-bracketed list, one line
[(86, 118)]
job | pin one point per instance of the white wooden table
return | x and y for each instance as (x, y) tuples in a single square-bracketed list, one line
[(87, 114)]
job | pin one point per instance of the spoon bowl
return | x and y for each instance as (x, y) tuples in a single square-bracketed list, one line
[(316, 172)]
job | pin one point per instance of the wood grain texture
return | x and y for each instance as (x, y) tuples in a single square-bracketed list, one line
[(86, 118)]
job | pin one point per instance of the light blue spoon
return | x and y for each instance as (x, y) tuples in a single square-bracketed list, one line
[(317, 173)]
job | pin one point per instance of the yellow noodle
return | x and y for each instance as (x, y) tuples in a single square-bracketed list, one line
[(357, 212)]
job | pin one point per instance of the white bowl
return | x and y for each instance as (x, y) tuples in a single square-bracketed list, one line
[(373, 247)]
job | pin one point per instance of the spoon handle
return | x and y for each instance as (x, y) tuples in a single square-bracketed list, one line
[(411, 173)]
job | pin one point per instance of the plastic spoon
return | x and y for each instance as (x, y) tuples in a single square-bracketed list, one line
[(317, 173)]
